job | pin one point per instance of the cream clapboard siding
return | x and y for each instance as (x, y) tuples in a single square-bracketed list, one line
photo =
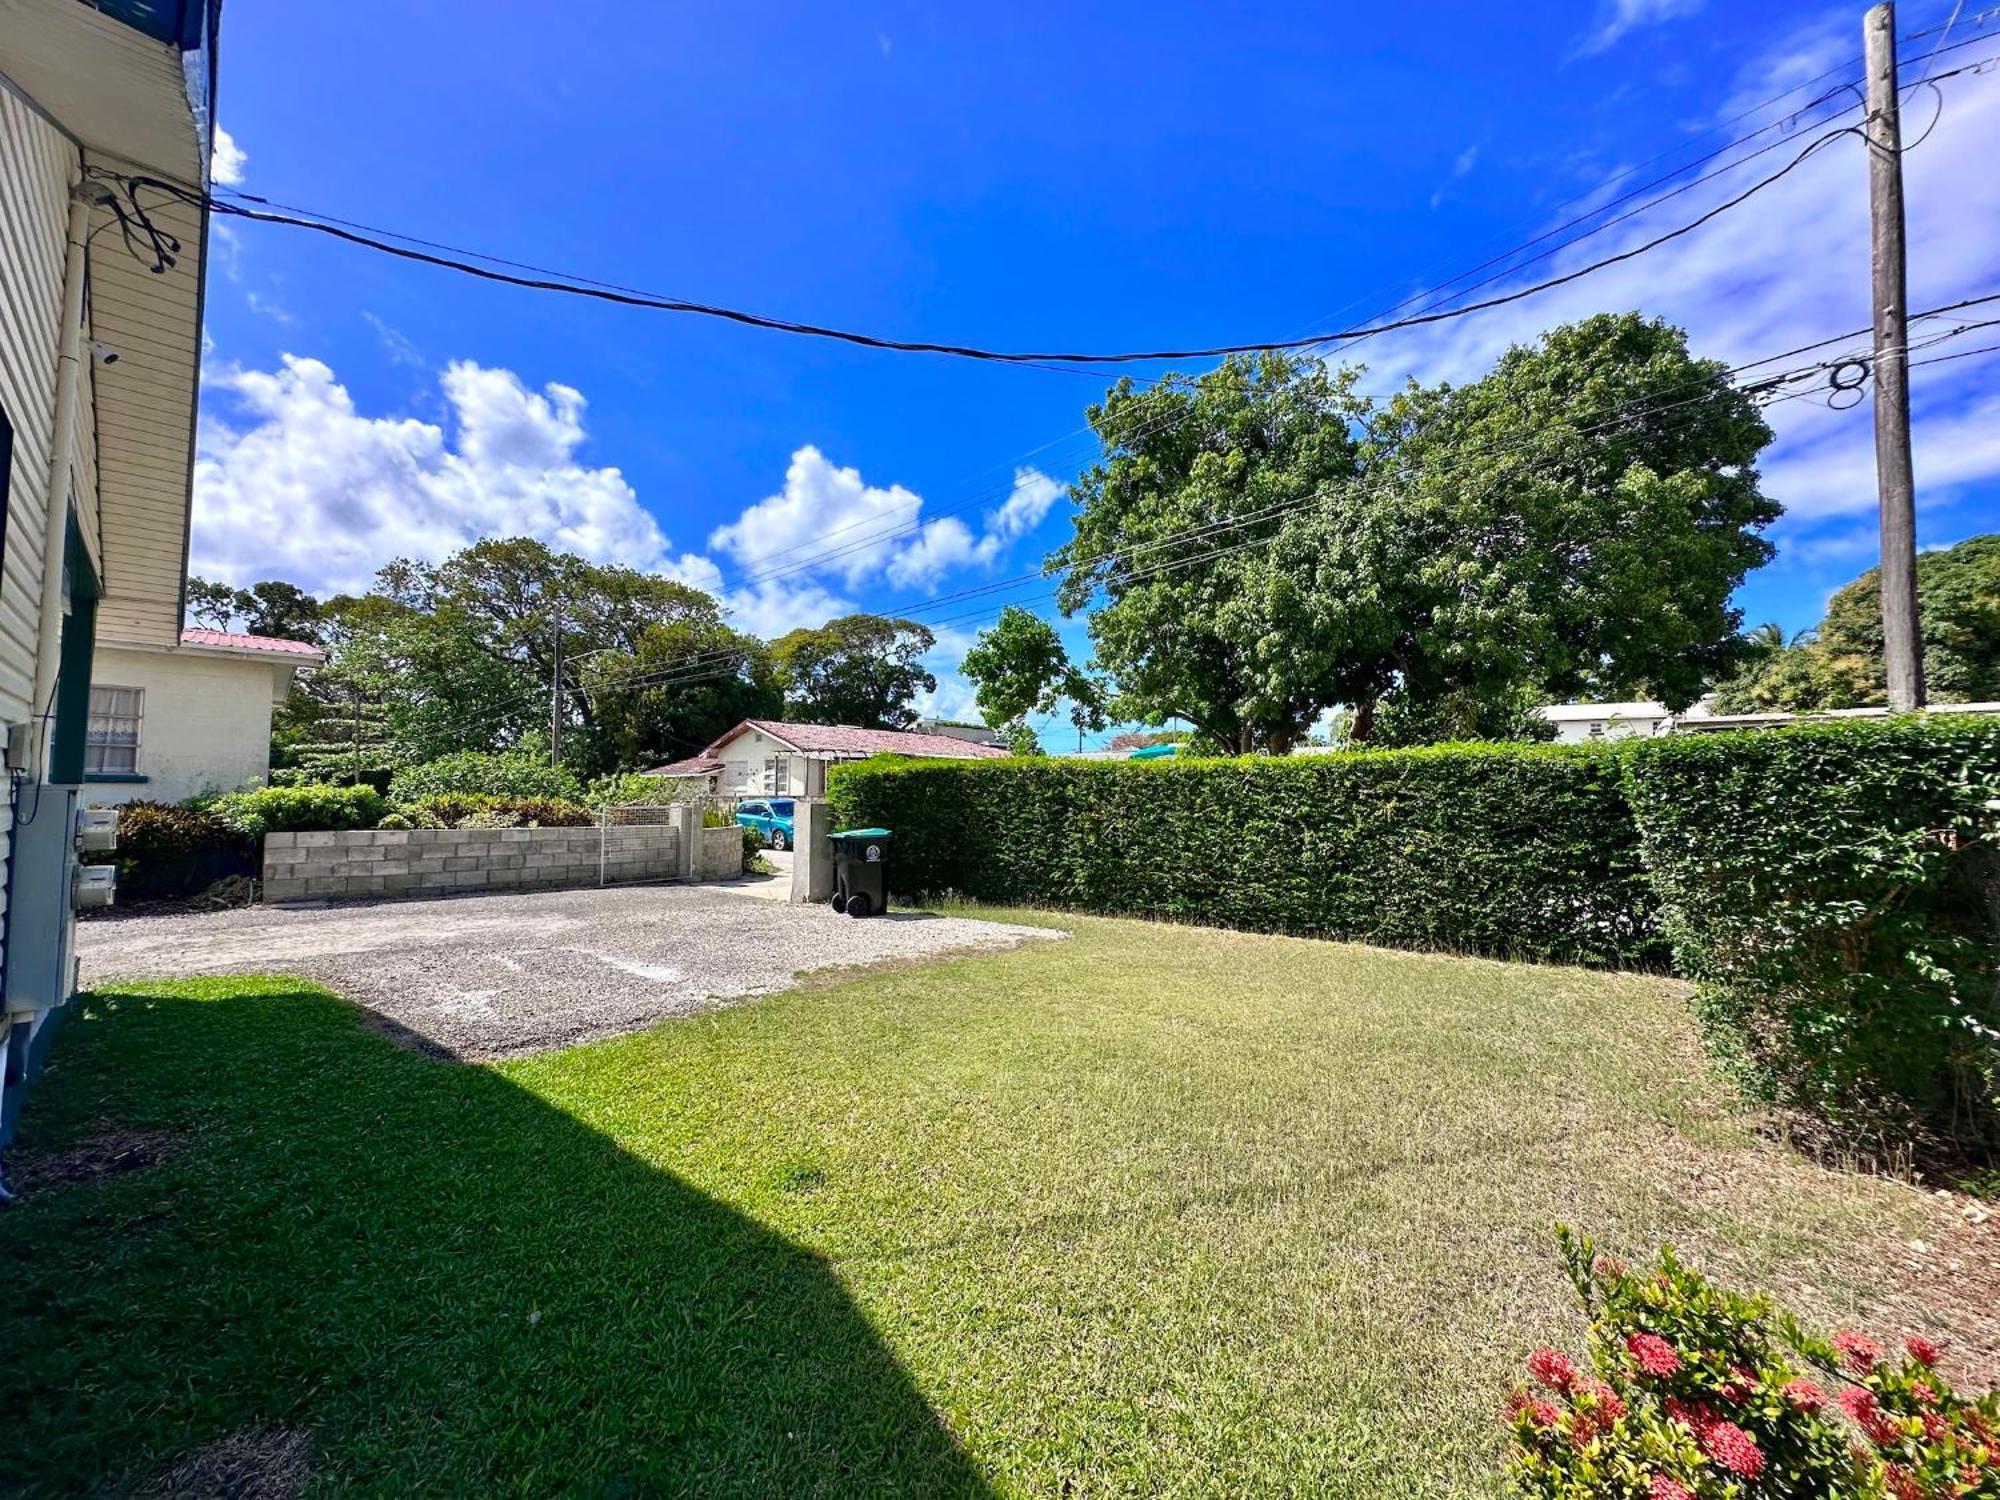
[(37, 166)]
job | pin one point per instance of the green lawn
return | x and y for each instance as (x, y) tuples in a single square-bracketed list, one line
[(1153, 1211)]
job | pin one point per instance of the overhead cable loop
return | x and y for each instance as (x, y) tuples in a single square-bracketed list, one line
[(135, 224)]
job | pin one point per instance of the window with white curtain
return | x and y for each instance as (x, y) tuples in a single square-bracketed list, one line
[(112, 746)]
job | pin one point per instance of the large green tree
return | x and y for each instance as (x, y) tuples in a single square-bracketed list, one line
[(273, 608), (688, 680), (1263, 544), (1839, 664), (1019, 669), (857, 669)]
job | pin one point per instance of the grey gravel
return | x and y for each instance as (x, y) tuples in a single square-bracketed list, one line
[(502, 975)]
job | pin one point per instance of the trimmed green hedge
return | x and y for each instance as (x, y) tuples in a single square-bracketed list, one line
[(308, 808), (1834, 892), (461, 810), (481, 773), (1522, 851)]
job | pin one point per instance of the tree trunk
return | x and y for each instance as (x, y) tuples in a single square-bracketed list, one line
[(1362, 727)]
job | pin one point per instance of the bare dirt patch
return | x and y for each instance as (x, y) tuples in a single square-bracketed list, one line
[(257, 1463), (103, 1154)]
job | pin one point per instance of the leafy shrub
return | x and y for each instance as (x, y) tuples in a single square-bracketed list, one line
[(176, 851), (1527, 851), (1693, 1392), (310, 808), (1833, 890), (715, 815), (483, 773), (469, 810), (632, 789)]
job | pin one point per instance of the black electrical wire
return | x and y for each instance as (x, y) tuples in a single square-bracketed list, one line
[(134, 183)]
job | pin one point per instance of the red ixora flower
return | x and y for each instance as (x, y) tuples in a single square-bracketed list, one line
[(1924, 1351), (1663, 1488), (1552, 1368), (1607, 1406), (1733, 1448), (1883, 1430), (1860, 1351), (1803, 1395), (1653, 1354)]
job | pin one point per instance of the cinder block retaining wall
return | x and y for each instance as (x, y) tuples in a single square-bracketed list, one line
[(721, 853), (439, 861)]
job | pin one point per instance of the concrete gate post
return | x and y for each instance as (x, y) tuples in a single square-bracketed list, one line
[(812, 855), (687, 840)]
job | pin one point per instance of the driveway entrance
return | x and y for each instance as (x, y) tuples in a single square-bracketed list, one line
[(501, 975)]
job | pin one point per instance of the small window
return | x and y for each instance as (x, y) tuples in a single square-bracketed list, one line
[(778, 774), (112, 748)]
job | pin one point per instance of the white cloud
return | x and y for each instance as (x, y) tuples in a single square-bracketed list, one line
[(1034, 492), (826, 516), (298, 484), (1461, 166), (829, 521), (226, 159), (292, 481), (1787, 268), (1617, 17), (400, 348)]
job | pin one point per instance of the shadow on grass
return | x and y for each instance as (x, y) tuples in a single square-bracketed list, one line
[(453, 1286)]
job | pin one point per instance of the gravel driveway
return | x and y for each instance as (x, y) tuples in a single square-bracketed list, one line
[(502, 975)]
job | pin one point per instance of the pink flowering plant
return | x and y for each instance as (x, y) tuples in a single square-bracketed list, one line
[(1694, 1392)]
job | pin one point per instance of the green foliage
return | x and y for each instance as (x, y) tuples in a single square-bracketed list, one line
[(1022, 739), (858, 669), (479, 810), (1457, 547), (1694, 1392), (684, 683), (1020, 669), (485, 773), (1524, 851), (1839, 665), (175, 851), (633, 789), (308, 808), (1222, 642), (1833, 890)]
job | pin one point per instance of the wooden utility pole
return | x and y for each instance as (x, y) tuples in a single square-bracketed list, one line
[(1902, 642), (555, 694)]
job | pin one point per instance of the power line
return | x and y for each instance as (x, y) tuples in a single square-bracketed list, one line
[(193, 198)]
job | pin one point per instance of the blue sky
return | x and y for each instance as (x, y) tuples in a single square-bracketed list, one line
[(1068, 176)]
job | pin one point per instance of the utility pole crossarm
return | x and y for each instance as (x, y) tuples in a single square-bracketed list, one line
[(1902, 643)]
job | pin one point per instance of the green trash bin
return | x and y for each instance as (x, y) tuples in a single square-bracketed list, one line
[(860, 870)]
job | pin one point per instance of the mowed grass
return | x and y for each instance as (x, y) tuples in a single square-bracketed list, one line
[(1154, 1210)]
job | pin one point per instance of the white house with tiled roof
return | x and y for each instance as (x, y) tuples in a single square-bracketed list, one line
[(168, 722), (770, 758)]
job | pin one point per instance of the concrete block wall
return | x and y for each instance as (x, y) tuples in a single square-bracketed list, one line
[(391, 862), (721, 853)]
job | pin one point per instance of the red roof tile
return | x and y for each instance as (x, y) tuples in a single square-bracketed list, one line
[(225, 640), (697, 766), (846, 739)]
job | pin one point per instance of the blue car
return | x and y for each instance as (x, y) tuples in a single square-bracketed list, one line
[(771, 818)]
